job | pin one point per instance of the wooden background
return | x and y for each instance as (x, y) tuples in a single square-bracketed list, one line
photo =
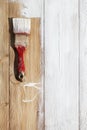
[(64, 58), (19, 102)]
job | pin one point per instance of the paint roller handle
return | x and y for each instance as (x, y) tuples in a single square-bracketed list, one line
[(21, 65)]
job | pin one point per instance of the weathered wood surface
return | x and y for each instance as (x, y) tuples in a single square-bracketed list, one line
[(61, 65), (4, 66), (24, 114), (83, 64), (65, 109)]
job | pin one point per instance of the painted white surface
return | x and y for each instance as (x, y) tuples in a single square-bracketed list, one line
[(61, 65), (83, 64)]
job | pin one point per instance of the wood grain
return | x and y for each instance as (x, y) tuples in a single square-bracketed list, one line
[(4, 66), (61, 65), (14, 9), (24, 115)]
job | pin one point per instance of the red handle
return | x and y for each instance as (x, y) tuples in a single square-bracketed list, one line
[(21, 66)]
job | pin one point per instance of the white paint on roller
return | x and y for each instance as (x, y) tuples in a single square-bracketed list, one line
[(21, 25)]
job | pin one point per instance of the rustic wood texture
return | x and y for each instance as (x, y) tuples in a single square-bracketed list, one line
[(24, 115), (4, 66), (14, 9), (61, 65)]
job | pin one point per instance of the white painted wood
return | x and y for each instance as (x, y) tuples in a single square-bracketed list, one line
[(61, 65), (83, 64)]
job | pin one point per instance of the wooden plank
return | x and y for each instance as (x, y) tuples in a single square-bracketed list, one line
[(14, 9), (24, 114), (61, 65), (83, 65), (4, 66)]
